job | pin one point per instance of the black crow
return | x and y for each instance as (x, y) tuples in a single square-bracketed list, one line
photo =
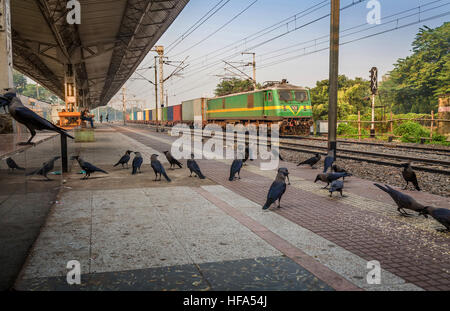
[(337, 169), (124, 159), (172, 160), (311, 161), (235, 168), (246, 155), (13, 165), (329, 160), (285, 170), (402, 200), (336, 185), (193, 167), (323, 178), (277, 189), (137, 162), (335, 176), (45, 169), (87, 167), (410, 176), (27, 116), (158, 168), (442, 215)]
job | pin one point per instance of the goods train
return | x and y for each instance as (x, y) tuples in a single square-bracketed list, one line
[(277, 102)]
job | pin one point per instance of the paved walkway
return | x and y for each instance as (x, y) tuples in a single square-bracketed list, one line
[(129, 232)]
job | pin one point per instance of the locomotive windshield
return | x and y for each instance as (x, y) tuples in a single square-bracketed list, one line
[(301, 96), (285, 95)]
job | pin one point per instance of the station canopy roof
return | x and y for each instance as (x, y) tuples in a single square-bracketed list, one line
[(112, 39)]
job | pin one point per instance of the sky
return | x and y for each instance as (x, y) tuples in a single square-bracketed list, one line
[(294, 49)]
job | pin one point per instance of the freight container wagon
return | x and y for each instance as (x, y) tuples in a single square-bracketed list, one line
[(194, 109)]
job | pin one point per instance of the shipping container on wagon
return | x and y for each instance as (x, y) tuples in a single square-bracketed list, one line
[(193, 108), (164, 114), (140, 116), (177, 113), (170, 113), (148, 115)]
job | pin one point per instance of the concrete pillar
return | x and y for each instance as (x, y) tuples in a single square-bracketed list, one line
[(6, 63), (7, 124)]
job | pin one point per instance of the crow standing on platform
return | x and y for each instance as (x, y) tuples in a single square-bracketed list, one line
[(336, 185), (172, 160), (45, 169), (193, 167), (311, 161), (337, 169), (442, 215), (235, 168), (330, 177), (124, 159), (402, 200), (277, 189), (410, 176), (137, 162), (158, 168), (27, 117), (87, 167), (286, 172), (13, 165), (329, 160)]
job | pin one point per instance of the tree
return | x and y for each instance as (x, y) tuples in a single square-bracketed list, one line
[(232, 86), (20, 81), (416, 81), (352, 97)]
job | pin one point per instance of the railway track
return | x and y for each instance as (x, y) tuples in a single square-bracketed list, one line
[(444, 151), (380, 158)]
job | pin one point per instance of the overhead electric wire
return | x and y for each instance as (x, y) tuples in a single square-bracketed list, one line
[(218, 29), (207, 66), (363, 30), (357, 39), (194, 27)]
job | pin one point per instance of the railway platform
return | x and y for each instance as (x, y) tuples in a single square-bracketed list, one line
[(129, 232)]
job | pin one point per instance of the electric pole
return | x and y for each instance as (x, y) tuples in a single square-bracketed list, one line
[(374, 89), (160, 50), (156, 93), (123, 105), (334, 72), (253, 65)]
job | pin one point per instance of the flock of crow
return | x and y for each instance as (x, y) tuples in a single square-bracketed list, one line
[(404, 202)]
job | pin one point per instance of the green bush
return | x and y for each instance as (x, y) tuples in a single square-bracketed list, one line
[(411, 132), (348, 130)]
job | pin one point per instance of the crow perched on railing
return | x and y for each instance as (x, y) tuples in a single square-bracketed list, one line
[(26, 116)]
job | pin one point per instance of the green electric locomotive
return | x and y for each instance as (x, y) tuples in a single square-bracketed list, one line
[(288, 105)]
